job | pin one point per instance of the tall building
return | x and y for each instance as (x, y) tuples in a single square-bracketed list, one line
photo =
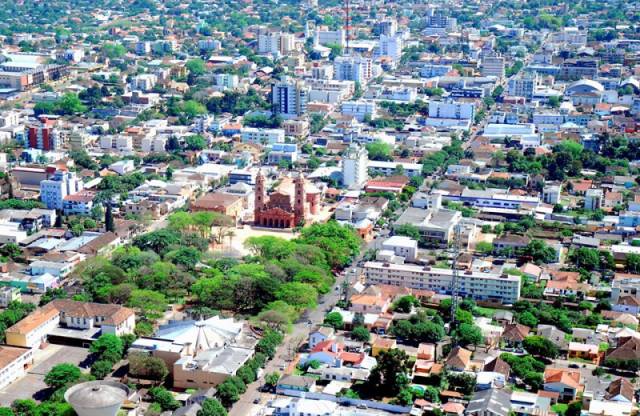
[(63, 183), (353, 68), (492, 65), (290, 97), (360, 109), (275, 42), (354, 167), (523, 86), (43, 136), (391, 46)]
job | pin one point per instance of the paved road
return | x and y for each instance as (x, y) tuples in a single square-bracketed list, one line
[(287, 350)]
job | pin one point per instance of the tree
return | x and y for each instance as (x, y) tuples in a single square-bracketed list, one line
[(108, 347), (164, 398), (405, 304), (145, 366), (389, 374), (528, 319), (540, 346), (11, 250), (24, 407), (196, 142), (540, 251), (61, 375), (101, 368), (212, 407), (334, 319), (633, 263), (108, 219), (587, 258), (360, 333), (271, 379), (574, 409), (247, 374), (469, 334), (380, 150), (150, 303), (484, 247), (339, 243), (408, 230), (228, 393), (196, 66), (6, 411), (300, 295)]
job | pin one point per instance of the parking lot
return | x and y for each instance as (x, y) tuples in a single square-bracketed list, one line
[(32, 385)]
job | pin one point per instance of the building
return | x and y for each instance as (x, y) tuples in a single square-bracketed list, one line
[(391, 46), (593, 199), (523, 86), (282, 153), (200, 354), (471, 284), (451, 109), (289, 97), (353, 68), (490, 402), (9, 294), (275, 42), (292, 202), (402, 246), (80, 203), (54, 190), (43, 136), (360, 109), (492, 65), (551, 194), (85, 320), (223, 203), (14, 363), (564, 382), (330, 37), (254, 135), (354, 167)]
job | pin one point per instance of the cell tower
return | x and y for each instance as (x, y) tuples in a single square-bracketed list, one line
[(455, 250), (347, 23)]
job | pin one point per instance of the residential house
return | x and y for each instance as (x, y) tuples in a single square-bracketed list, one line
[(491, 402), (588, 352), (514, 334), (382, 344), (628, 304), (620, 390), (510, 243), (320, 334), (459, 359), (564, 382), (296, 383)]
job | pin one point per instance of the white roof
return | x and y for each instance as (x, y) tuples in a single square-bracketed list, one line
[(609, 408)]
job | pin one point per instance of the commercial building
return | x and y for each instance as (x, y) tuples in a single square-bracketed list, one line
[(354, 167), (54, 190), (254, 135), (382, 167), (290, 97), (470, 284), (492, 66), (353, 68), (360, 109)]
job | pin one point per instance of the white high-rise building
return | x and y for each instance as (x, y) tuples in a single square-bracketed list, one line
[(391, 46), (354, 167), (523, 86), (290, 97), (53, 191), (353, 68), (492, 65), (276, 43), (360, 109)]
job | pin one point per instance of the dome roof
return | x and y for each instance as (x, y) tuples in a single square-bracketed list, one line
[(97, 394), (631, 81), (586, 84)]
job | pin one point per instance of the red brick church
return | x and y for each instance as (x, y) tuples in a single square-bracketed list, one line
[(292, 203)]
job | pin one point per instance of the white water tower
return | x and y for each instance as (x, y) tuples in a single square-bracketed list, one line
[(97, 398)]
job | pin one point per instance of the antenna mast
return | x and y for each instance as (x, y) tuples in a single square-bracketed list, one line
[(454, 276), (346, 25)]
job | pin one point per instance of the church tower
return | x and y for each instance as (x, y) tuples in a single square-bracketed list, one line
[(299, 202), (260, 197)]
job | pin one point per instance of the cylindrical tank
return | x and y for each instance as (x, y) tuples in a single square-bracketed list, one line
[(97, 398)]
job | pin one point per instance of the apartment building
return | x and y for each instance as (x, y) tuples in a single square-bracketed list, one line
[(54, 190), (255, 135), (470, 284)]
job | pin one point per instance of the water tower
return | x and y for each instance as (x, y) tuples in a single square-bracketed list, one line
[(97, 398)]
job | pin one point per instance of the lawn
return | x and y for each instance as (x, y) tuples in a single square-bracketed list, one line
[(560, 408)]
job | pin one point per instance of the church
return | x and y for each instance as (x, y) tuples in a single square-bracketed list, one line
[(292, 203)]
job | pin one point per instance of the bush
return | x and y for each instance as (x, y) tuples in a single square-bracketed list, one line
[(100, 369)]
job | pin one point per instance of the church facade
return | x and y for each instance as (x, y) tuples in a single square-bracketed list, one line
[(291, 204)]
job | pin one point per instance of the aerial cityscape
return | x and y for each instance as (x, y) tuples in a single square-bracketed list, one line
[(319, 207)]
